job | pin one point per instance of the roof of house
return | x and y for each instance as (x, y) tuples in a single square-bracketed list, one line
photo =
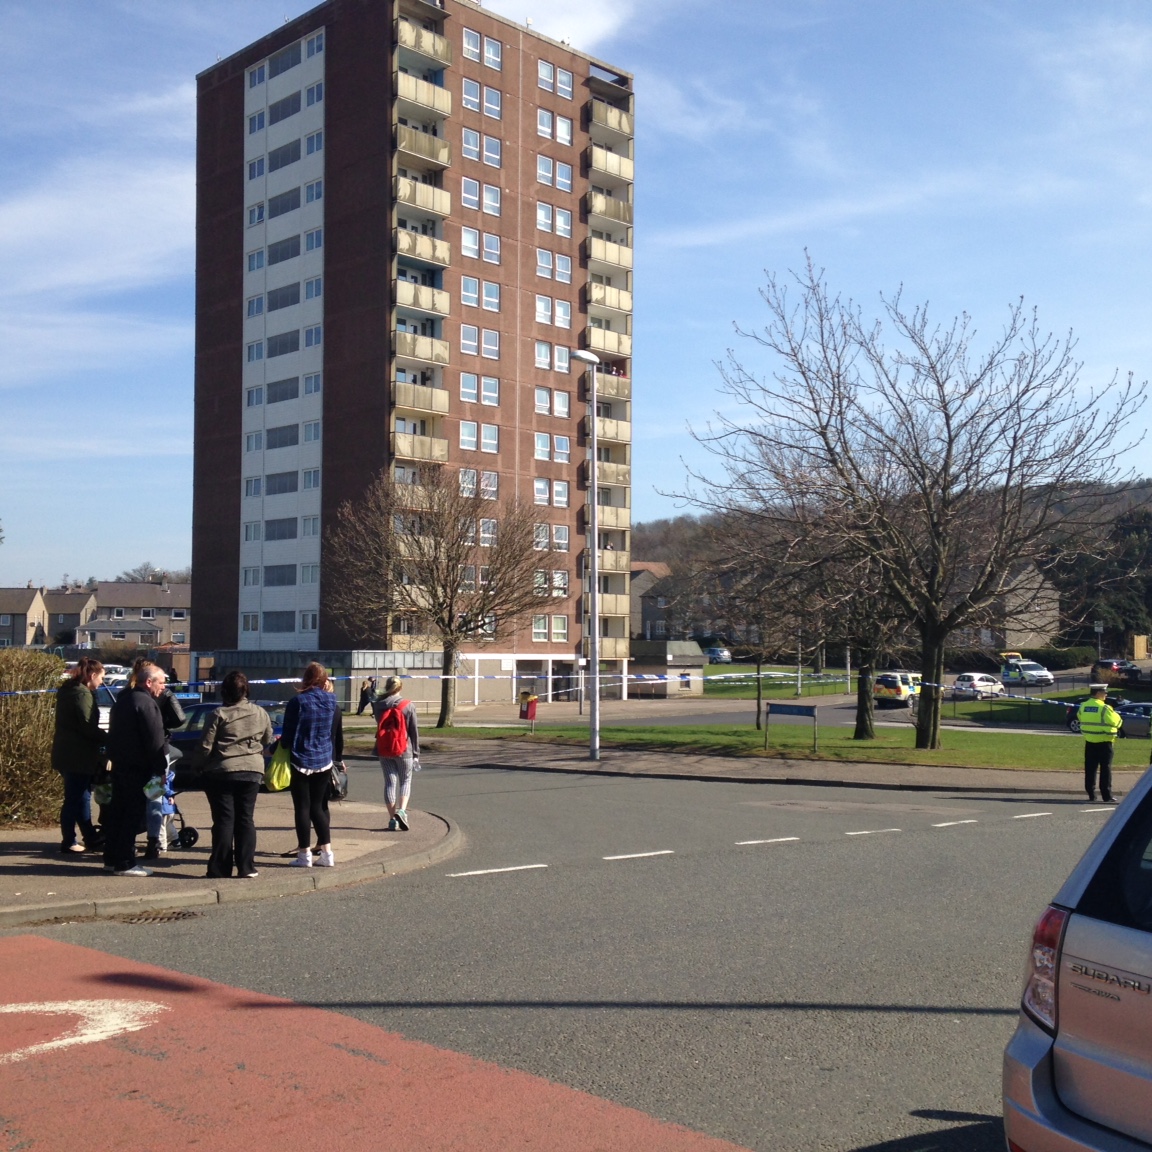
[(68, 602), (117, 594), (17, 600), (657, 567)]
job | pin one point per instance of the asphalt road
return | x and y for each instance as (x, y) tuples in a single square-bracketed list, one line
[(798, 968)]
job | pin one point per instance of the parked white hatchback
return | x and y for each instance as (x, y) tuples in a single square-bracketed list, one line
[(976, 686), (1078, 1071)]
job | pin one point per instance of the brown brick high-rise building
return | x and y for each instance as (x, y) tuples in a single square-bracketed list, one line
[(409, 214)]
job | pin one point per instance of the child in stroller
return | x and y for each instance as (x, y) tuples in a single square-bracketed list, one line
[(163, 815)]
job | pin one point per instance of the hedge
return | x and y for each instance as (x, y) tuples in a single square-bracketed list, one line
[(1054, 659), (30, 791)]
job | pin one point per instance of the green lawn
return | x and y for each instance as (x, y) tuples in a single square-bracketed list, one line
[(1011, 712), (963, 748), (742, 685)]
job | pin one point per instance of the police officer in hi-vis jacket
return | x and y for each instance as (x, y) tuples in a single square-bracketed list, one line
[(1100, 724)]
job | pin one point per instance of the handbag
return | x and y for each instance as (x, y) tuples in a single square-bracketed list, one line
[(339, 782), (278, 774)]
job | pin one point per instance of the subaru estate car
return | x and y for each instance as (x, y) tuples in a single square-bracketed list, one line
[(1077, 1074)]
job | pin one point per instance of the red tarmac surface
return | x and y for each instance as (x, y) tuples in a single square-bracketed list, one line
[(110, 1055)]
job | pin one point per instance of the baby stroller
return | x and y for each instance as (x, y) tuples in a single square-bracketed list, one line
[(165, 822)]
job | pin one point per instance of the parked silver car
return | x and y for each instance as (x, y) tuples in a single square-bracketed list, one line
[(1137, 720), (1078, 1071)]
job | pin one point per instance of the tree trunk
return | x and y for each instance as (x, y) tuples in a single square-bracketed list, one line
[(447, 686), (931, 690), (759, 694), (865, 704)]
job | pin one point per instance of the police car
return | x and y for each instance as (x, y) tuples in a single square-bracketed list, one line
[(896, 689), (1018, 671)]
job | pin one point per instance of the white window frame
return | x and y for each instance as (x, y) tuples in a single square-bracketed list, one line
[(469, 435), (469, 340), (490, 344)]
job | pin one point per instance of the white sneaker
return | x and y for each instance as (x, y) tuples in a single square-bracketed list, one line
[(303, 858), (326, 859)]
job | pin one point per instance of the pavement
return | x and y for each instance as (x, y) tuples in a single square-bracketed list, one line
[(38, 883)]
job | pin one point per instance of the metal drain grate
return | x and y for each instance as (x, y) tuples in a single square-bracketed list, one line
[(159, 917)]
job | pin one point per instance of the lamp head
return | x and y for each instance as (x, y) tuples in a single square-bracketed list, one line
[(585, 357)]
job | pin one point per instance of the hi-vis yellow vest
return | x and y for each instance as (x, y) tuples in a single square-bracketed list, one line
[(1099, 721)]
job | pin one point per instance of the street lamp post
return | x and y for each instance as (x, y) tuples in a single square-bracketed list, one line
[(593, 362)]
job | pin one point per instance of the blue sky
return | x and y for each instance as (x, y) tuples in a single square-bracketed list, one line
[(972, 152)]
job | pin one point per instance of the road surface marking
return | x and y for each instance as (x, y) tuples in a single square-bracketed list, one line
[(953, 823), (639, 855), (1030, 815), (777, 840), (490, 871), (1094, 810), (99, 1020), (873, 831)]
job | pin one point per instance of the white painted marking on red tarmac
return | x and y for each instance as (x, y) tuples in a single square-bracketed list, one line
[(492, 871), (777, 840), (639, 855), (873, 831), (99, 1020), (1030, 815), (953, 823)]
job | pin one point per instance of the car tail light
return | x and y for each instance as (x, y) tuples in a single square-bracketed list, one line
[(1039, 999)]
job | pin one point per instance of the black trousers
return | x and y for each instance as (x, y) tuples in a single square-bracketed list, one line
[(233, 804), (310, 800), (1098, 756), (125, 816)]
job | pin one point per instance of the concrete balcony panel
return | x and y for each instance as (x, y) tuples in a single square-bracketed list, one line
[(610, 516), (606, 473), (611, 603), (602, 340), (601, 162), (613, 120), (423, 298), (605, 252), (611, 208), (422, 95), (610, 387), (427, 249), (614, 648), (425, 146), (423, 196), (419, 397), (615, 431), (407, 446), (429, 44), (424, 348), (605, 296), (613, 561)]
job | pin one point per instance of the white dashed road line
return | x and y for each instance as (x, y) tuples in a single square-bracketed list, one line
[(1030, 815), (1095, 810), (873, 831), (953, 823), (776, 840), (490, 871), (640, 855)]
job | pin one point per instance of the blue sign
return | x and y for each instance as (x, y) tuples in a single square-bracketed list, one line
[(792, 710)]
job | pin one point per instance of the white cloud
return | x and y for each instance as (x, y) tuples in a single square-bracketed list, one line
[(583, 23), (43, 343), (113, 223)]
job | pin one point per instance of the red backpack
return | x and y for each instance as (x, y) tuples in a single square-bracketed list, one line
[(392, 732)]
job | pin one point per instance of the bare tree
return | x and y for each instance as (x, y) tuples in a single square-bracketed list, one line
[(444, 555), (945, 469)]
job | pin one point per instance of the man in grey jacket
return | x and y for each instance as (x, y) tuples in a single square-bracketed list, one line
[(138, 749)]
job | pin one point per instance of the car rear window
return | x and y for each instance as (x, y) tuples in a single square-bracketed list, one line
[(1121, 890)]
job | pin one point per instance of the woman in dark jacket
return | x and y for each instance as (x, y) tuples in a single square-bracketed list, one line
[(314, 736), (77, 752), (231, 757)]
